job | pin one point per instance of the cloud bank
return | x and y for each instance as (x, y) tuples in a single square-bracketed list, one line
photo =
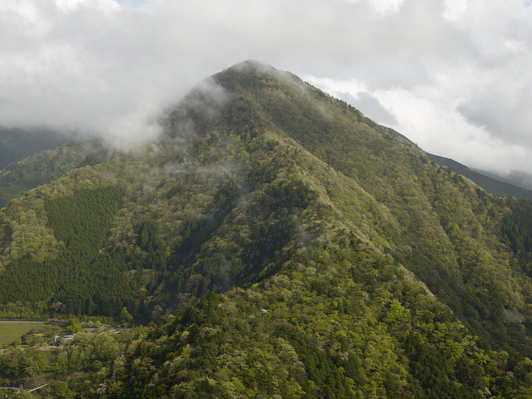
[(452, 75)]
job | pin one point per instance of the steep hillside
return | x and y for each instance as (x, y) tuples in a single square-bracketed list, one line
[(29, 172), (287, 246), (441, 227)]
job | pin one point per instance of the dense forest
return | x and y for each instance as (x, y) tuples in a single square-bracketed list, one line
[(75, 275), (280, 244)]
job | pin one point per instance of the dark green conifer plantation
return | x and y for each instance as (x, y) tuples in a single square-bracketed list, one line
[(74, 277)]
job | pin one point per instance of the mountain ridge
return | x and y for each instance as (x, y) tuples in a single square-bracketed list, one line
[(491, 183), (272, 229), (16, 143)]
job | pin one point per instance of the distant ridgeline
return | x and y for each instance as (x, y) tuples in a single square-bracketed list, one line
[(282, 245), (519, 178), (490, 184), (16, 143), (31, 171)]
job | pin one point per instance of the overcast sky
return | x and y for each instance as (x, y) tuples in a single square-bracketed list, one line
[(454, 76)]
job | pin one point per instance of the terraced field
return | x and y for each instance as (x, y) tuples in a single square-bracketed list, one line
[(11, 330)]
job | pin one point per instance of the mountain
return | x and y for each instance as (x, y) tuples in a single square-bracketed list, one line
[(514, 184), (491, 183), (16, 143), (42, 167), (282, 245), (521, 179)]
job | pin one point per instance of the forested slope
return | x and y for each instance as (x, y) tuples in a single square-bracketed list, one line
[(440, 226), (29, 172), (287, 246)]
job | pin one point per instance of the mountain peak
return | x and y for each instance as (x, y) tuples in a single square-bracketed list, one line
[(252, 65), (254, 74), (292, 232)]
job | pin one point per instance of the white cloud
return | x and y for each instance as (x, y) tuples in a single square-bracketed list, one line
[(385, 6), (454, 9), (381, 7), (433, 117), (337, 87), (438, 128), (71, 5)]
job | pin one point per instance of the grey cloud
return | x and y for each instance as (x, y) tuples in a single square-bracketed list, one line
[(370, 107), (504, 112), (91, 65), (110, 67)]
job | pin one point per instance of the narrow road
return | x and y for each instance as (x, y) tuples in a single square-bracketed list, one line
[(13, 388), (22, 321)]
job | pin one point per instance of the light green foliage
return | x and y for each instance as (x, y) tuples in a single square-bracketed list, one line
[(88, 355), (26, 231), (273, 229), (74, 326), (125, 317), (397, 313)]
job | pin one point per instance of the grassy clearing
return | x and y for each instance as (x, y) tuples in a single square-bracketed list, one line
[(9, 331)]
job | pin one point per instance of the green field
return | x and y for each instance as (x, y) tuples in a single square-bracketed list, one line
[(11, 330)]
